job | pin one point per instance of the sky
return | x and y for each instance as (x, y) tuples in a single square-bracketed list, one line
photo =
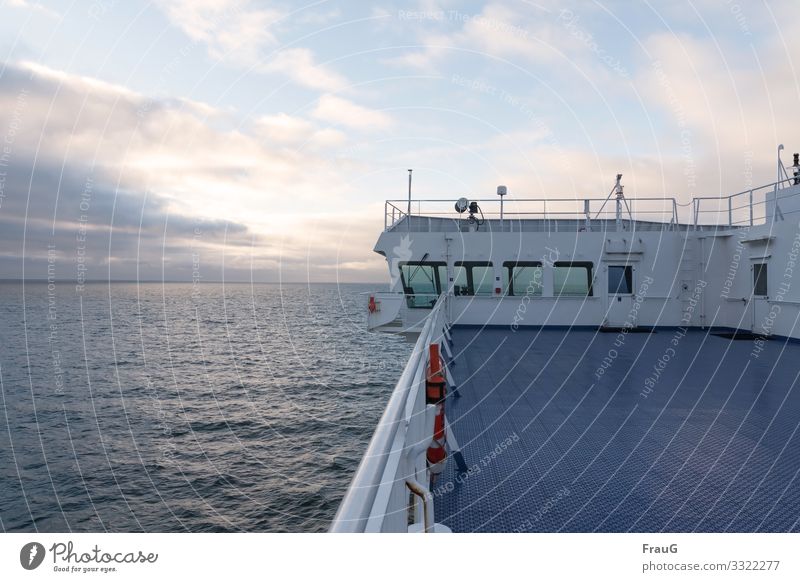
[(246, 140)]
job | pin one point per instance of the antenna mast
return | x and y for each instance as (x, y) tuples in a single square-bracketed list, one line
[(408, 215)]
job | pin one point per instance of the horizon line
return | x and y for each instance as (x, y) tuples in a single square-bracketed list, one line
[(204, 282)]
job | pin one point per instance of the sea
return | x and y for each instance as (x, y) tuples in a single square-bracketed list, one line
[(196, 407)]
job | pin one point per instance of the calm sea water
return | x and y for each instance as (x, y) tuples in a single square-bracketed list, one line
[(150, 407)]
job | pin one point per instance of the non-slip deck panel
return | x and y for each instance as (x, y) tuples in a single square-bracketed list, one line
[(714, 446)]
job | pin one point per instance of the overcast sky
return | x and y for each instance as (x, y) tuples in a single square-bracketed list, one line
[(239, 139)]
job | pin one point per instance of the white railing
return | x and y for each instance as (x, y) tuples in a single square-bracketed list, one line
[(394, 464), (392, 215), (586, 211), (745, 208)]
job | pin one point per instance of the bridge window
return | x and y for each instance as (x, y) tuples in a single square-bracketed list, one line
[(522, 278), (760, 279), (473, 278), (572, 278), (423, 282)]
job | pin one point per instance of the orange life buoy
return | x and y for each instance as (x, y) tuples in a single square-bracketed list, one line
[(435, 391), (437, 454), (435, 384)]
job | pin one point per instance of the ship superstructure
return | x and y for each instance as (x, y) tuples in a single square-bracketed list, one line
[(609, 364)]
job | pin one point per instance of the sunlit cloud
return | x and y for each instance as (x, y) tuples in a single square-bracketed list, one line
[(339, 111), (242, 33), (162, 164), (233, 30), (298, 64)]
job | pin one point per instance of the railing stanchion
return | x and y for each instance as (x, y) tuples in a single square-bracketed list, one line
[(674, 214), (751, 207), (730, 210)]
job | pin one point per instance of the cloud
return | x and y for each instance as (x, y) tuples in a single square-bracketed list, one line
[(87, 230), (157, 169), (297, 132), (233, 30), (318, 17), (427, 60), (502, 31), (339, 111), (724, 110), (35, 6), (241, 34), (680, 113), (298, 64), (498, 30)]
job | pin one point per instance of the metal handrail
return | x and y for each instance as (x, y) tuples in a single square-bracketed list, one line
[(356, 506), (427, 500), (749, 204), (724, 206), (396, 212), (496, 200), (549, 209)]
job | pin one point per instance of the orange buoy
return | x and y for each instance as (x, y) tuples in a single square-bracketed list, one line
[(436, 454), (372, 305), (435, 391), (435, 383)]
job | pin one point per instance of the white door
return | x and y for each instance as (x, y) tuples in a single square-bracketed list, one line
[(620, 296)]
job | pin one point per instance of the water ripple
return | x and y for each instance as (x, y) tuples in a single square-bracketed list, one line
[(185, 408)]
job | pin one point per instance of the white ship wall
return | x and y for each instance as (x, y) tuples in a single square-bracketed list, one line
[(686, 277)]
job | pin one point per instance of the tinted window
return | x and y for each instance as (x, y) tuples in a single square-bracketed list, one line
[(422, 283), (522, 278), (473, 278), (482, 280), (620, 279), (573, 278), (760, 279), (460, 286), (444, 284)]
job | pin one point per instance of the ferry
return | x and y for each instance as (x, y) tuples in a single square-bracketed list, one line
[(608, 364)]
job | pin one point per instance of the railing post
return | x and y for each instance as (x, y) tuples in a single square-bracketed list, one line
[(544, 213), (674, 214), (587, 213), (751, 207), (730, 211)]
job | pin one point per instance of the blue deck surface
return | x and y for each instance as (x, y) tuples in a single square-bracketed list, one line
[(714, 446)]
